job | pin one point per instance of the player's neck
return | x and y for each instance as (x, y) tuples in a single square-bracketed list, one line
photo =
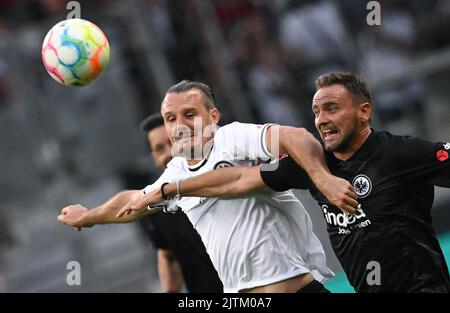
[(355, 145), (206, 149)]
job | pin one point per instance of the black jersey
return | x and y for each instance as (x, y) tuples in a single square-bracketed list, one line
[(391, 231), (176, 233)]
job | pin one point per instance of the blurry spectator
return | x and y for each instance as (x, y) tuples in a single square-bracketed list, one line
[(229, 12), (353, 14), (433, 23), (51, 7), (386, 50), (314, 39), (180, 40), (3, 27), (6, 241), (255, 48), (270, 84), (5, 92), (159, 17)]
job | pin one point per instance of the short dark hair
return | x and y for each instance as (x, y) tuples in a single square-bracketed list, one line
[(352, 82), (150, 122), (186, 85)]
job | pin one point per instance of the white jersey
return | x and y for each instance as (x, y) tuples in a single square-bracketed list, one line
[(252, 240)]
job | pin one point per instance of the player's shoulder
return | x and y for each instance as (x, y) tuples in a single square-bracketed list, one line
[(386, 137), (239, 127), (228, 130), (394, 143), (230, 127), (177, 162), (237, 132)]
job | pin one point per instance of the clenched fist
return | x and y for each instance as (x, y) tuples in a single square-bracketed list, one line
[(340, 193), (72, 215)]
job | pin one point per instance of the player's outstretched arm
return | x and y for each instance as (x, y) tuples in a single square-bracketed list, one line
[(307, 152), (78, 216), (223, 182), (232, 181)]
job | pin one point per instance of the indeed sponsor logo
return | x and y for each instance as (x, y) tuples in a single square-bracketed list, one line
[(342, 219)]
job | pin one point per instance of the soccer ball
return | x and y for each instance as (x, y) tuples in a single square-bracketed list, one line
[(75, 52)]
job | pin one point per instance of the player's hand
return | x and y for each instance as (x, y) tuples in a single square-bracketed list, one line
[(140, 203), (340, 193), (72, 216)]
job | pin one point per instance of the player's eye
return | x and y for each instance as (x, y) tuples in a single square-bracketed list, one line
[(170, 119), (190, 115)]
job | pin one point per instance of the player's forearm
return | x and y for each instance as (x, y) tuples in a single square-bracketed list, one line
[(306, 152), (219, 183), (107, 212), (106, 215)]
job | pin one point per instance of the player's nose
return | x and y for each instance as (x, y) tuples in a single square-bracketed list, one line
[(322, 119), (182, 130)]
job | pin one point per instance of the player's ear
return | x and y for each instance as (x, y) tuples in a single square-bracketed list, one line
[(214, 115), (365, 111)]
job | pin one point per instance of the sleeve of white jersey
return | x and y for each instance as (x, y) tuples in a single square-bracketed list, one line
[(170, 175), (245, 141)]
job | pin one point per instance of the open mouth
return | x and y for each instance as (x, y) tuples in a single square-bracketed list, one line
[(330, 133)]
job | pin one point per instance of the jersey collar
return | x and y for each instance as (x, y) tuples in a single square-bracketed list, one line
[(199, 165), (361, 153)]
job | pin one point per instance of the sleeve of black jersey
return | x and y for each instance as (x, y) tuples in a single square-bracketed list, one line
[(284, 175), (423, 161)]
